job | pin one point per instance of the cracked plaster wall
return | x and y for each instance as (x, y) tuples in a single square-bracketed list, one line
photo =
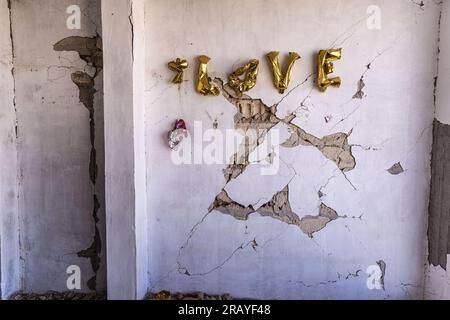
[(61, 187), (381, 116), (9, 245), (437, 278)]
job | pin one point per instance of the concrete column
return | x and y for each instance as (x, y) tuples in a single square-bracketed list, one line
[(125, 167), (438, 273), (9, 221)]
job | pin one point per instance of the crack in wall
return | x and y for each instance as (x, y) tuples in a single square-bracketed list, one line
[(382, 266), (130, 19), (254, 114), (180, 268), (340, 277), (224, 204), (21, 253), (321, 194), (90, 51), (278, 208), (438, 58), (360, 94), (13, 69), (334, 147)]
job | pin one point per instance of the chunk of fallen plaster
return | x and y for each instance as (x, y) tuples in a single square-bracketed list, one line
[(278, 208)]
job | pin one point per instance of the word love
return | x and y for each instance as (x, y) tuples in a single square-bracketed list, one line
[(245, 77)]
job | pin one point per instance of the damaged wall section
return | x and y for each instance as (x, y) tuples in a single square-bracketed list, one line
[(59, 95), (90, 50), (9, 225)]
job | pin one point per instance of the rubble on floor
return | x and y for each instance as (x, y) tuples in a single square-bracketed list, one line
[(59, 296), (165, 295)]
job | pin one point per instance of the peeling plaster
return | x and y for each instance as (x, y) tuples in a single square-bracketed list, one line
[(420, 4), (89, 50), (360, 93), (13, 69), (396, 169), (311, 225), (11, 241), (340, 277), (249, 111), (438, 56), (278, 208), (255, 117), (224, 204), (251, 114), (382, 266), (130, 19), (255, 114)]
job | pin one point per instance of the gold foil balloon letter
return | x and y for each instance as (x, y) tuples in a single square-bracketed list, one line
[(325, 67), (250, 73), (178, 66), (282, 82), (204, 85)]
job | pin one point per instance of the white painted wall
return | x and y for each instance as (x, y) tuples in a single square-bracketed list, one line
[(55, 194), (437, 280), (391, 124), (9, 244)]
